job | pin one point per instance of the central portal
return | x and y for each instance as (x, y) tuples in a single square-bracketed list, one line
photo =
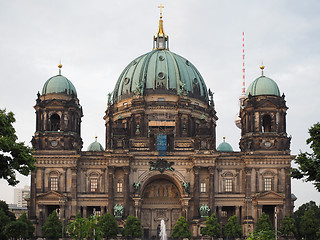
[(161, 201)]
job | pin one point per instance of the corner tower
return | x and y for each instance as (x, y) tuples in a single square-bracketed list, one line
[(58, 116), (263, 117)]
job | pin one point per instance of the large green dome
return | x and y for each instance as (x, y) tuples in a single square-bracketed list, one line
[(263, 86), (160, 72), (59, 84)]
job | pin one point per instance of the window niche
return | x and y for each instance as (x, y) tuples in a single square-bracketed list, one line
[(266, 123), (55, 122)]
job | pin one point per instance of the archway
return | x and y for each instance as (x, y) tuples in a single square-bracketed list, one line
[(161, 201)]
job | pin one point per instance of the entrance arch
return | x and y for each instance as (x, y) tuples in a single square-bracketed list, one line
[(161, 200)]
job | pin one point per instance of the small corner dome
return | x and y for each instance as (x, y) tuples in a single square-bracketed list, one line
[(95, 147), (224, 147), (263, 86), (59, 84)]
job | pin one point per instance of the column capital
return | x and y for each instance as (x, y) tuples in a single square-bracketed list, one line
[(196, 170)]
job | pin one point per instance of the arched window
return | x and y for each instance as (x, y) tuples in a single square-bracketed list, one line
[(266, 123), (55, 122)]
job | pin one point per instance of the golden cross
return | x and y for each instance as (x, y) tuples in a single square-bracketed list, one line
[(160, 9)]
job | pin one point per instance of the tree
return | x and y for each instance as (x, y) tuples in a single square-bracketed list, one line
[(264, 223), (262, 235), (309, 225), (52, 228), (4, 220), (232, 228), (14, 156), (309, 163), (84, 228), (132, 228), (212, 227), (4, 206), (30, 227), (16, 230), (299, 215), (181, 229), (287, 227), (108, 225)]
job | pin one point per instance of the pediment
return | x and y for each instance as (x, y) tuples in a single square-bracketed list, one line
[(55, 102), (51, 195), (267, 103), (270, 195)]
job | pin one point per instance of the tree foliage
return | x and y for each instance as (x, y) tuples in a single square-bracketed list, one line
[(264, 223), (212, 227), (14, 156), (309, 163), (287, 227), (30, 227), (181, 229), (52, 228), (307, 221), (4, 206), (233, 228), (262, 235), (84, 228), (132, 228), (16, 230), (4, 220), (108, 226)]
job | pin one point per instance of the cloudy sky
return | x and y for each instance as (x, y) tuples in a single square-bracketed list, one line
[(96, 39)]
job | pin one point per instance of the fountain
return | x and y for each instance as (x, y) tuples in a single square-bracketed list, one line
[(163, 232)]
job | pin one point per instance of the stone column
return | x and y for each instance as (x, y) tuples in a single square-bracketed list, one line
[(73, 191), (84, 211), (126, 193), (42, 179), (287, 208), (103, 181), (211, 189), (196, 193), (110, 189), (32, 206)]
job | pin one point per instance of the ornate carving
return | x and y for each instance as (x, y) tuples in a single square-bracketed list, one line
[(204, 210), (161, 165)]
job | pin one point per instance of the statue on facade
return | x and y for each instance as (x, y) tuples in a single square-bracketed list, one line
[(139, 89), (204, 210), (118, 211), (186, 187), (109, 98), (136, 186)]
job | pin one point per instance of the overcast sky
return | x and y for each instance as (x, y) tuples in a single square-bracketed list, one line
[(95, 40)]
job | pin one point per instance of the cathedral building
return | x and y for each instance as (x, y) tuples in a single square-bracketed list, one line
[(160, 159)]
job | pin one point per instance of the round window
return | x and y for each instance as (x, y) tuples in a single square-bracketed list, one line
[(161, 75), (126, 80)]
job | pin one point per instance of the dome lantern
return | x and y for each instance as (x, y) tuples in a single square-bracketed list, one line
[(160, 39)]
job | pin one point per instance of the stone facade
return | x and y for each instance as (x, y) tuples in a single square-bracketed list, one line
[(190, 174), (160, 160)]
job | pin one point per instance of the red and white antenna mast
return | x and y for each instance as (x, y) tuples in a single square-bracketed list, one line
[(243, 68), (242, 97)]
